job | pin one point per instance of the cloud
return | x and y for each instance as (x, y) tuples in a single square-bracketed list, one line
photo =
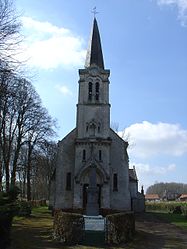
[(150, 173), (181, 6), (64, 90), (48, 46), (147, 169), (156, 139)]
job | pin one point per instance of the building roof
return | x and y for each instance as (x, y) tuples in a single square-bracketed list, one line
[(94, 52), (183, 196), (132, 174), (152, 197)]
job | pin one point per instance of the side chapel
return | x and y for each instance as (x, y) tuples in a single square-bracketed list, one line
[(92, 165)]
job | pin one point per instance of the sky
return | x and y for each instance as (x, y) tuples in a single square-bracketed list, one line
[(144, 44)]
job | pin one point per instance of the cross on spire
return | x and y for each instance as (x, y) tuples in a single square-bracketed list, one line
[(94, 11)]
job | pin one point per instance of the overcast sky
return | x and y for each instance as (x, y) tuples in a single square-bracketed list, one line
[(145, 47)]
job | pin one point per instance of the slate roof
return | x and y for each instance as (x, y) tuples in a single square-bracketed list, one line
[(94, 52)]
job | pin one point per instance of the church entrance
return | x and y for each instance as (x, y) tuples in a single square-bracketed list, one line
[(85, 187)]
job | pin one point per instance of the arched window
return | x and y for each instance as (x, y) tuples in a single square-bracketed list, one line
[(90, 91), (97, 91), (92, 129), (84, 155), (86, 127), (68, 181), (98, 128), (100, 155), (115, 182)]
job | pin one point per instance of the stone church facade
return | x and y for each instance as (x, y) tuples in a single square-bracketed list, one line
[(92, 164)]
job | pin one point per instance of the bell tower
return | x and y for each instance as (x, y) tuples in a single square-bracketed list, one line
[(92, 144), (93, 108)]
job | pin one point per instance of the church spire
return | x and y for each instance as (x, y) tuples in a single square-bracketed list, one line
[(94, 52)]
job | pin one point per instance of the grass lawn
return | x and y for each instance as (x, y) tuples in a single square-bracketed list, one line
[(176, 219)]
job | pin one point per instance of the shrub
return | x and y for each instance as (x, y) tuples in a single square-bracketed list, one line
[(184, 211), (24, 208), (5, 227), (38, 203), (164, 206), (120, 227), (68, 227), (177, 210), (8, 208)]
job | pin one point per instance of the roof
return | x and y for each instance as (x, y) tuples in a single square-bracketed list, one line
[(152, 197), (94, 52), (132, 174), (183, 196)]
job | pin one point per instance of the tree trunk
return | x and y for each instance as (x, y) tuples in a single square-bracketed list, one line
[(30, 147), (7, 178), (1, 175), (14, 168)]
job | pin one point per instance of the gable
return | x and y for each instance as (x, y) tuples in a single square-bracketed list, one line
[(116, 137)]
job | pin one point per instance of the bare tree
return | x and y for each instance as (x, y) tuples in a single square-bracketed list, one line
[(25, 125), (26, 101), (23, 122), (42, 129), (7, 117), (123, 134), (42, 169), (115, 126), (10, 37)]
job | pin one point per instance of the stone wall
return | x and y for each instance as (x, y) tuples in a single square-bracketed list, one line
[(120, 200), (65, 164)]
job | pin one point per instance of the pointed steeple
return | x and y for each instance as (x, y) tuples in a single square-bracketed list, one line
[(94, 52)]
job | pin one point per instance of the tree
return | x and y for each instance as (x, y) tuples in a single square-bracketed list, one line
[(25, 125), (7, 114), (43, 165), (37, 136), (10, 37), (23, 122), (161, 188)]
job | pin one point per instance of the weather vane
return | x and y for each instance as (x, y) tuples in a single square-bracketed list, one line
[(94, 11)]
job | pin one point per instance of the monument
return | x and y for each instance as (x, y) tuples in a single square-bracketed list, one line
[(92, 206)]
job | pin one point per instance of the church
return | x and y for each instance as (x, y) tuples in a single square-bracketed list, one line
[(92, 172)]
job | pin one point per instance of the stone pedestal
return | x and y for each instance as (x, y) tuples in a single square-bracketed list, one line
[(92, 207)]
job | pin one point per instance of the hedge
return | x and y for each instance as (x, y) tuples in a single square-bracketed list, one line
[(169, 207), (120, 227), (68, 228)]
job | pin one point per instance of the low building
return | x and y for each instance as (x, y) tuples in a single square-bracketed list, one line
[(170, 195), (183, 197), (152, 197)]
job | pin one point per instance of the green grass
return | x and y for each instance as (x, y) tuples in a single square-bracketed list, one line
[(176, 219)]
